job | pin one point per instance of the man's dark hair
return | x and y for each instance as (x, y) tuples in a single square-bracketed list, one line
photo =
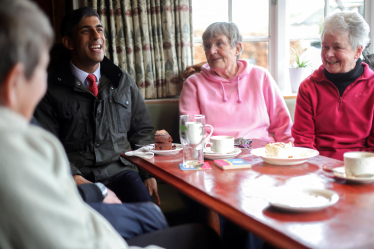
[(73, 18)]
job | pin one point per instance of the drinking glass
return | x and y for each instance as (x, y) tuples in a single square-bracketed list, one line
[(193, 135)]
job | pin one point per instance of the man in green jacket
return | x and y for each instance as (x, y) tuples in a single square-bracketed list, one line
[(97, 111)]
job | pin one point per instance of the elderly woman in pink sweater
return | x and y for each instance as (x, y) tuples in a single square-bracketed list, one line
[(237, 99)]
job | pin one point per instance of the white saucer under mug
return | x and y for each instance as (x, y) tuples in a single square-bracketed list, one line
[(339, 173), (215, 156)]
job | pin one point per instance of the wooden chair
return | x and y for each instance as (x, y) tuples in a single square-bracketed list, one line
[(190, 70)]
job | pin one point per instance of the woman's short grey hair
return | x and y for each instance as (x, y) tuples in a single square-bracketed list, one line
[(228, 29), (25, 32), (348, 22)]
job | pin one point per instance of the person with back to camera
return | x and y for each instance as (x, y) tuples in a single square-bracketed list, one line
[(39, 201), (335, 107), (96, 111), (237, 99)]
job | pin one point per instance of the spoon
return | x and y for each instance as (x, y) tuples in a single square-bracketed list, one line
[(242, 141)]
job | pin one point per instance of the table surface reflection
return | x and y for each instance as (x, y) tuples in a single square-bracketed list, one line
[(238, 195)]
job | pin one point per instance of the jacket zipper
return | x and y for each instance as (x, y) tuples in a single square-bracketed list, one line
[(85, 89), (340, 97), (345, 91), (103, 88), (337, 90)]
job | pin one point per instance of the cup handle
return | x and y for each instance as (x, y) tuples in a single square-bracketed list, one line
[(207, 144), (211, 132)]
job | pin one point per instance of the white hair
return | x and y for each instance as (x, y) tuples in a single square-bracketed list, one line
[(348, 22), (228, 29)]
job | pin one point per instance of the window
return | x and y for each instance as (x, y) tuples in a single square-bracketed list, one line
[(252, 18), (273, 29), (204, 13), (305, 26), (306, 19)]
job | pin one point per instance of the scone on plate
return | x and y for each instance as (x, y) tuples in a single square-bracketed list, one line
[(280, 150), (163, 140)]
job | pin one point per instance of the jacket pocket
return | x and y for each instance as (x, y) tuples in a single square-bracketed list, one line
[(67, 110), (71, 123), (123, 109)]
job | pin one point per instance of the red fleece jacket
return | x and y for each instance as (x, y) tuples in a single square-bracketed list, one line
[(332, 124)]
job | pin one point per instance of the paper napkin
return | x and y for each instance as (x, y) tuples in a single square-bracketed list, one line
[(139, 153)]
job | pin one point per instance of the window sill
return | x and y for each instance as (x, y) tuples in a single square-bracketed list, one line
[(289, 95), (162, 101)]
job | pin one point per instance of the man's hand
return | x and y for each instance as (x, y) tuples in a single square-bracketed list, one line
[(151, 185), (80, 180), (111, 198)]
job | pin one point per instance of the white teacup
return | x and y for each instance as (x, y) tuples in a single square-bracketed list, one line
[(195, 132), (358, 163), (221, 144)]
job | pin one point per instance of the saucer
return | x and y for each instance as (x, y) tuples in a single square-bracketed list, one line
[(340, 174), (304, 200), (151, 148), (301, 155), (213, 156)]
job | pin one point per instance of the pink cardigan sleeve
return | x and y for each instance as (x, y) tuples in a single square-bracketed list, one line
[(280, 120), (303, 129), (189, 101)]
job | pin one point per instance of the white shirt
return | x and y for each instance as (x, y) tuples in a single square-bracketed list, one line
[(82, 75)]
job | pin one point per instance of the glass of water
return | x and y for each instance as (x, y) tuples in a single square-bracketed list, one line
[(192, 135)]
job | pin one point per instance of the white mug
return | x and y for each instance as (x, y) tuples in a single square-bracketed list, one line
[(357, 163), (192, 133), (195, 132), (221, 144)]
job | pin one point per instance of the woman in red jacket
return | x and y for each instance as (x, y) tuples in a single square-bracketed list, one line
[(335, 105)]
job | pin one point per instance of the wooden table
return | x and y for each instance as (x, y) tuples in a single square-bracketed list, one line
[(237, 194)]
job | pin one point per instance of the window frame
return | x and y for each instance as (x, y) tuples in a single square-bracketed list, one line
[(279, 38), (368, 12)]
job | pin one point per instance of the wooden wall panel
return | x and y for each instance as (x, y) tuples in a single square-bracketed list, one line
[(55, 10)]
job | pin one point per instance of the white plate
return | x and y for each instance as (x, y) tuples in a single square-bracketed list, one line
[(215, 156), (301, 155), (151, 148), (340, 173), (305, 200)]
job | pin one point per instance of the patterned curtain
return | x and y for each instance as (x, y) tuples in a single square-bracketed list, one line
[(152, 40)]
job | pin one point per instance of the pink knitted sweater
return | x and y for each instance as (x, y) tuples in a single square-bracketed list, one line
[(247, 105)]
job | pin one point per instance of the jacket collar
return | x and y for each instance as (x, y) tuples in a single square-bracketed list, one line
[(319, 75), (63, 75)]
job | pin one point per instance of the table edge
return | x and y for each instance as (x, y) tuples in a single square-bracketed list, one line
[(271, 235)]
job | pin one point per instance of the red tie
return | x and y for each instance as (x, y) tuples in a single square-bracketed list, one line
[(93, 86)]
